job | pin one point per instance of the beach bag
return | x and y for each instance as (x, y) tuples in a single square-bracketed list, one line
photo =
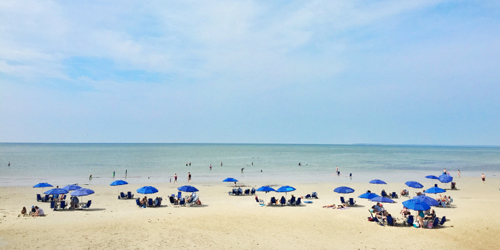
[(430, 224), (370, 219), (425, 223), (416, 225)]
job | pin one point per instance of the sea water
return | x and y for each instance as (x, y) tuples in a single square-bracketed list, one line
[(62, 164)]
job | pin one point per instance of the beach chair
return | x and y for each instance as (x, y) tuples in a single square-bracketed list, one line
[(435, 223), (292, 201), (122, 196), (454, 186), (308, 196), (252, 192), (171, 199), (314, 195), (182, 202), (443, 220), (194, 201), (62, 205), (352, 202), (239, 191), (372, 218), (247, 191), (273, 201), (86, 205), (391, 221), (150, 202), (383, 194), (179, 195), (157, 202), (394, 195), (46, 198), (130, 195), (342, 200), (38, 197), (53, 204), (283, 201), (409, 221), (138, 202), (261, 202), (298, 202)]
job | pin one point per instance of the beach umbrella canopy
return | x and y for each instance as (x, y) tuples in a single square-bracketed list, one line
[(56, 191), (444, 178), (416, 204), (343, 190), (118, 183), (382, 199), (414, 184), (266, 189), (368, 196), (377, 181), (426, 199), (230, 180), (285, 189), (187, 189), (71, 187), (82, 192), (432, 177), (42, 185), (434, 190), (147, 190)]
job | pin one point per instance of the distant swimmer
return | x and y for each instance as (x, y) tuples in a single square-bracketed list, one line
[(8, 164), (252, 163), (210, 167), (221, 163), (483, 177), (444, 171), (186, 164), (90, 177), (350, 175), (243, 169), (113, 174), (459, 173), (125, 173), (189, 176), (190, 164), (300, 164)]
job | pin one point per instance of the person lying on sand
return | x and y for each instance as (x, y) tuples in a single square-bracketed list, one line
[(330, 206)]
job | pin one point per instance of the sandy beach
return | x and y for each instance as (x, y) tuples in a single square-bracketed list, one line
[(228, 222)]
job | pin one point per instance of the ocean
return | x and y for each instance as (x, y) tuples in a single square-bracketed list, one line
[(62, 164)]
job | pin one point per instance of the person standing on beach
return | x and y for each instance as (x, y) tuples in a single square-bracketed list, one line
[(483, 177), (125, 173), (350, 175), (189, 176), (90, 177), (175, 178), (459, 173), (210, 167), (221, 163), (113, 174), (444, 171), (190, 164)]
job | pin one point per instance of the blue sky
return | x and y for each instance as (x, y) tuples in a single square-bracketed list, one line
[(328, 72)]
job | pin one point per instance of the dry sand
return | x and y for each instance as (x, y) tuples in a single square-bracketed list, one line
[(229, 222)]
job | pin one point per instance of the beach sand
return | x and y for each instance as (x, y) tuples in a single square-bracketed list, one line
[(238, 222)]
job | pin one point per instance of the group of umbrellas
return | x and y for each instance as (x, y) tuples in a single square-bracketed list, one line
[(153, 190), (77, 190)]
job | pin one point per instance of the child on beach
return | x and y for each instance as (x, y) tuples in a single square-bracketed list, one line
[(483, 177)]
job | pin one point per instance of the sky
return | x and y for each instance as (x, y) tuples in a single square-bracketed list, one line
[(306, 72)]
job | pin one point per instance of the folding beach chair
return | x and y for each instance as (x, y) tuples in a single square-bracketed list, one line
[(38, 197), (372, 218), (273, 201), (52, 204), (443, 220), (409, 221), (390, 221), (298, 202), (150, 202), (62, 205), (292, 201), (352, 202), (182, 202), (283, 201), (314, 195), (122, 196), (261, 202), (308, 196), (247, 191), (130, 195), (46, 198), (436, 222), (87, 205), (342, 200), (138, 202), (179, 195), (252, 192), (394, 195)]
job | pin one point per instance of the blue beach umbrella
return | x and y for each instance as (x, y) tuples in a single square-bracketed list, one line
[(147, 190), (434, 190), (377, 181), (382, 199), (56, 191), (230, 180), (414, 184), (343, 190), (118, 183), (82, 192), (426, 199), (444, 178), (432, 177), (285, 189), (368, 196), (416, 204), (71, 187), (187, 189), (266, 189), (42, 185)]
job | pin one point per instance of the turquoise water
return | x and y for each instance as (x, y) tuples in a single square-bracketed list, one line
[(61, 164)]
